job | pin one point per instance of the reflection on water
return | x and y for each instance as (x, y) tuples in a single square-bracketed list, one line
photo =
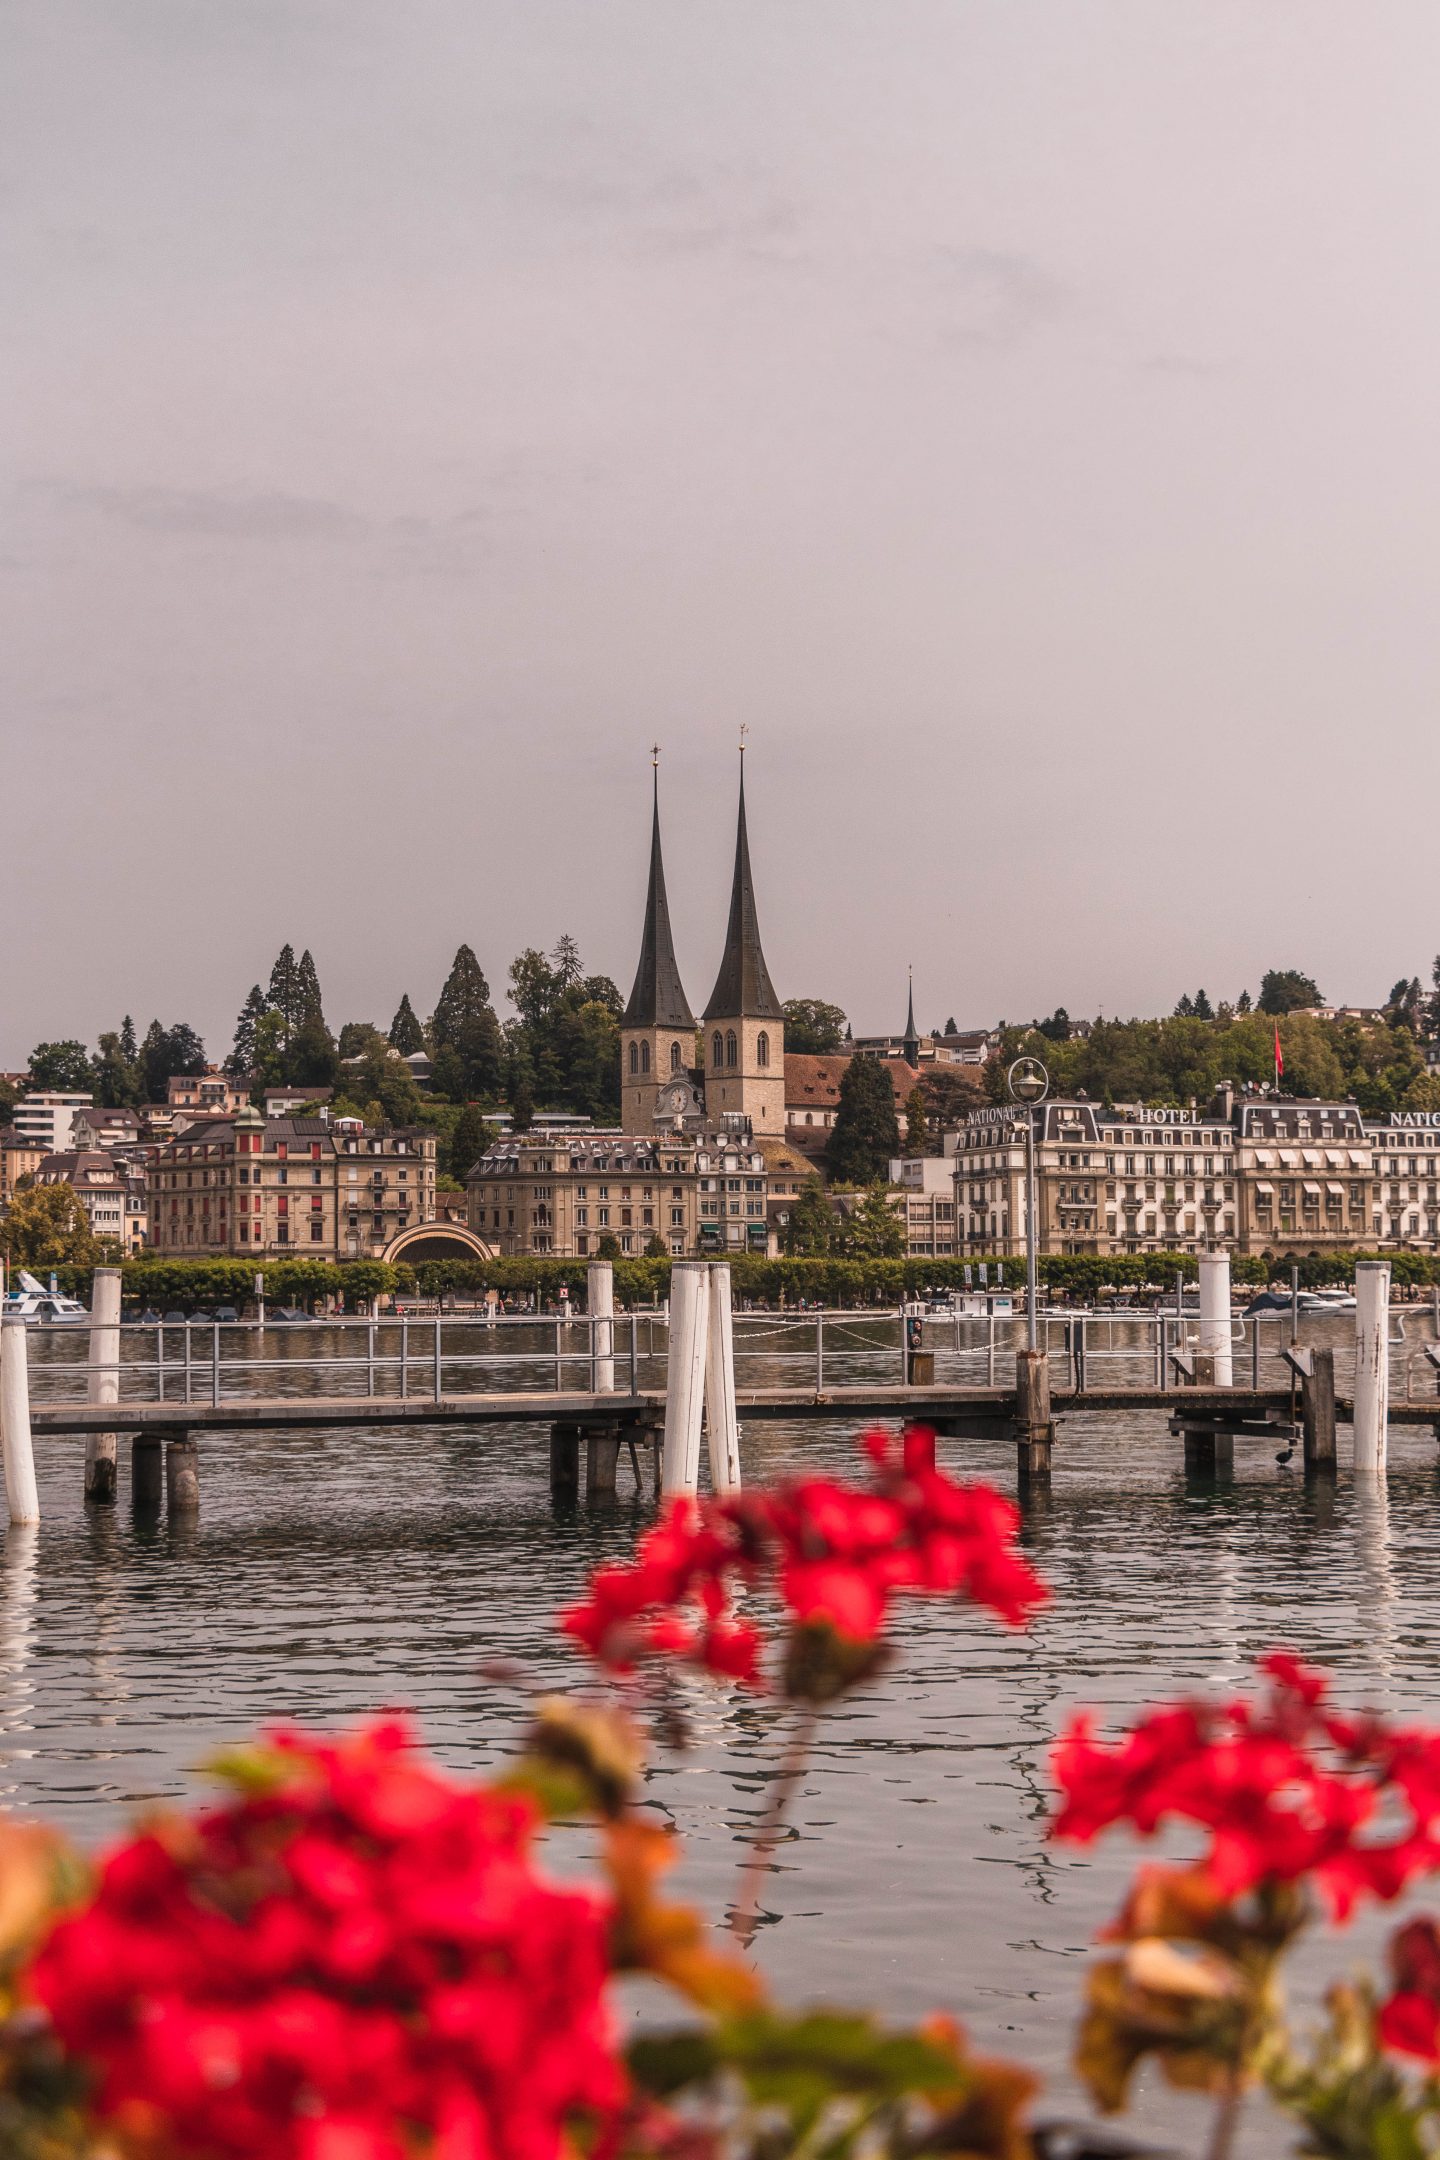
[(333, 1572)]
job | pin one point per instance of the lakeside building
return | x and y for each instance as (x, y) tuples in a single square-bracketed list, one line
[(20, 1157), (212, 1091), (108, 1129), (100, 1185), (252, 1185), (48, 1116), (1259, 1177)]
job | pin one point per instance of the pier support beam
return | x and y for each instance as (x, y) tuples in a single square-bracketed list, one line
[(147, 1472), (182, 1474), (22, 1495), (564, 1462), (102, 1450), (602, 1453), (1317, 1411), (1372, 1363), (1208, 1454), (1034, 1428), (685, 1377)]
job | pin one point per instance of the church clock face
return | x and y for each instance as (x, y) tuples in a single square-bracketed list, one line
[(675, 1100)]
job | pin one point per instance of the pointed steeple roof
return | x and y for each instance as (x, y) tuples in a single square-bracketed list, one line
[(910, 1041), (743, 987), (658, 998)]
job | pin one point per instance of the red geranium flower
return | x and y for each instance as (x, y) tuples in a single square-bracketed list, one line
[(836, 1554), (356, 1954), (1409, 2021)]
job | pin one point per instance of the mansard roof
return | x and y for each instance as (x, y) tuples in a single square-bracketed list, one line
[(658, 998), (743, 988)]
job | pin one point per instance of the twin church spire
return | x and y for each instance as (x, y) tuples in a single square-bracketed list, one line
[(742, 1070)]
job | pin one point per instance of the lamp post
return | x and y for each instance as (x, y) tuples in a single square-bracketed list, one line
[(1029, 1084)]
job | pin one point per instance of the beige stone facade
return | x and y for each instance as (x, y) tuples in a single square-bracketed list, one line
[(20, 1157), (694, 1192), (257, 1186)]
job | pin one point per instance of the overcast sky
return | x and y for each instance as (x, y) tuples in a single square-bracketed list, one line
[(1022, 414)]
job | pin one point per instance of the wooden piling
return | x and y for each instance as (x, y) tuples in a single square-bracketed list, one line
[(1208, 1453), (22, 1495), (1034, 1428), (685, 1375), (102, 1450), (147, 1472), (182, 1474), (1317, 1411), (723, 1424), (564, 1461)]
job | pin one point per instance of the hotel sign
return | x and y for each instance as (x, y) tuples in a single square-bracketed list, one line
[(1426, 1118)]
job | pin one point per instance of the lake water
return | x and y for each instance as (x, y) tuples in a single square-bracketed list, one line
[(332, 1573)]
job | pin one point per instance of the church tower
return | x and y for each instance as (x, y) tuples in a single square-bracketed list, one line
[(744, 1026), (657, 1031), (910, 1041)]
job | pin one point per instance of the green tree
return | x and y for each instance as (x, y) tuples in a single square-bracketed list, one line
[(243, 1056), (608, 1248), (656, 1249), (873, 1231), (866, 1133), (467, 1042), (309, 1006), (9, 1096), (1243, 1003), (284, 994), (917, 1125), (406, 1034), (64, 1066), (184, 1050), (1185, 1009), (271, 1054), (1423, 1093), (312, 1060), (386, 1082), (1204, 1010), (812, 1222), (522, 1097), (950, 1092), (118, 1081), (571, 1055), (813, 1028), (155, 1062), (358, 1036), (46, 1226), (468, 1142), (1285, 990), (1057, 1027)]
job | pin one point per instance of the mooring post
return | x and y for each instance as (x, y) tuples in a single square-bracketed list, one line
[(685, 1376), (103, 1383), (22, 1495), (182, 1474), (147, 1471), (1372, 1363), (1208, 1453), (1034, 1430), (1317, 1411), (1215, 1316), (564, 1461), (724, 1424), (600, 1304)]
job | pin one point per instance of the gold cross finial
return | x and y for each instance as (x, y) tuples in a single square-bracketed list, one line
[(744, 731), (655, 754)]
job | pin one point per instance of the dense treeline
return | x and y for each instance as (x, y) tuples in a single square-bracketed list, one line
[(172, 1285)]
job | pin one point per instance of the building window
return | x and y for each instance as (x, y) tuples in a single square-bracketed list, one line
[(644, 1057), (730, 1047), (674, 1057), (634, 1058), (762, 1048), (717, 1049), (317, 1232)]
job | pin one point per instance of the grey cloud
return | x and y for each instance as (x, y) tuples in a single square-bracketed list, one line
[(223, 514), (993, 296)]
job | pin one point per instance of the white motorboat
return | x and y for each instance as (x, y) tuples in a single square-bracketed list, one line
[(39, 1307)]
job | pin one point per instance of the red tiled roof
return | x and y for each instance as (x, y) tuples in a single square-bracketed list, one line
[(814, 1082)]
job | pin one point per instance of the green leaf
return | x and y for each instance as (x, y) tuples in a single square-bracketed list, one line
[(663, 2063)]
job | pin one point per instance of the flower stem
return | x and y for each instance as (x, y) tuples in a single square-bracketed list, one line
[(1227, 2120), (745, 1914)]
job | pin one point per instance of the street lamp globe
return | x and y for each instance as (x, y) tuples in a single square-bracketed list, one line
[(1028, 1080)]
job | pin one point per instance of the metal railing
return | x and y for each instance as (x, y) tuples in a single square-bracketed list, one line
[(411, 1357)]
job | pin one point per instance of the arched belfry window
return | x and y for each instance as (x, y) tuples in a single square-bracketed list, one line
[(730, 1047), (644, 1057), (634, 1059), (674, 1057), (717, 1049), (762, 1048)]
